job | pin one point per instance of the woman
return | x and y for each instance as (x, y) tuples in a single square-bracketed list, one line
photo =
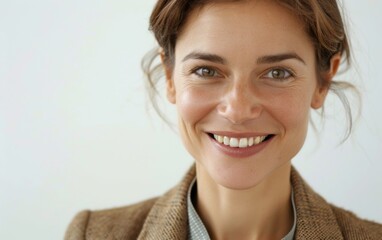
[(244, 76)]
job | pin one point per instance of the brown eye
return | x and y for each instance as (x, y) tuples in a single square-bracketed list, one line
[(278, 73), (206, 72)]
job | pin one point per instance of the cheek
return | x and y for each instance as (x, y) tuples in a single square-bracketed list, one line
[(193, 104), (291, 109)]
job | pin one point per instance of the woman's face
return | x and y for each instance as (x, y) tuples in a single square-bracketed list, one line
[(243, 82)]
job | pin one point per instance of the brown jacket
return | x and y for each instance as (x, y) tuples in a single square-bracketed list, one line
[(166, 218)]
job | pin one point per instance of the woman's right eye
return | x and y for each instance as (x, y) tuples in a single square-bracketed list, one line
[(206, 72)]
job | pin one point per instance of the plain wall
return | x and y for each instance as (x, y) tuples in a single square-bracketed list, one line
[(77, 132)]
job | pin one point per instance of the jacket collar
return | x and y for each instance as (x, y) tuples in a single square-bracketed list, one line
[(314, 215), (168, 217)]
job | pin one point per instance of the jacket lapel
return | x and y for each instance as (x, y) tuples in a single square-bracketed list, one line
[(168, 217), (315, 218)]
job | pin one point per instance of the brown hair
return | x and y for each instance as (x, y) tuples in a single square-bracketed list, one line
[(323, 24)]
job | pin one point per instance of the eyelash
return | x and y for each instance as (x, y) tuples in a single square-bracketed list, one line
[(288, 73), (198, 71), (201, 68)]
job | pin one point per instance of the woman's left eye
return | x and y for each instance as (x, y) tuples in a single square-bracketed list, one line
[(279, 74)]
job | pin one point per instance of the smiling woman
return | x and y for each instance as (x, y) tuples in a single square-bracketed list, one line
[(244, 77)]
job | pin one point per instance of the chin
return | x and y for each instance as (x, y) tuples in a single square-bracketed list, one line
[(236, 176), (244, 175)]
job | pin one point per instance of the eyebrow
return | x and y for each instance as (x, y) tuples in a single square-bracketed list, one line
[(205, 56), (262, 60), (279, 57)]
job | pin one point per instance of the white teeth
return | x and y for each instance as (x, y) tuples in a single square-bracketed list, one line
[(257, 140), (250, 142), (243, 143), (234, 142), (219, 138), (239, 142)]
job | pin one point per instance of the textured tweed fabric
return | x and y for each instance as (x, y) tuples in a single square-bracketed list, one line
[(166, 218)]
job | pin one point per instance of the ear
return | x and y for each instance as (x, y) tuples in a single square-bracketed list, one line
[(170, 87), (327, 77)]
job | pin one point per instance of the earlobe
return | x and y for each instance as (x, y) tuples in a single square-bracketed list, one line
[(170, 88), (327, 77), (319, 98)]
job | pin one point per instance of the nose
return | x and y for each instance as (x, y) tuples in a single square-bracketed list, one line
[(240, 104)]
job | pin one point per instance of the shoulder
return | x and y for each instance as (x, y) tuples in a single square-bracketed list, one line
[(353, 227), (317, 217), (116, 223), (164, 216)]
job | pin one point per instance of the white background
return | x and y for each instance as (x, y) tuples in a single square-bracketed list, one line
[(76, 131)]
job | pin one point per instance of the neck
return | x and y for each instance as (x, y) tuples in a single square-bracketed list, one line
[(261, 212)]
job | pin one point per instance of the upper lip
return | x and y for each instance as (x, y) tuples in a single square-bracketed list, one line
[(239, 134)]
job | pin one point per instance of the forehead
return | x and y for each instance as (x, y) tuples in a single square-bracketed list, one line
[(245, 27)]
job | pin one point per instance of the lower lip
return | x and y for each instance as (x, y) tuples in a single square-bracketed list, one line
[(237, 152)]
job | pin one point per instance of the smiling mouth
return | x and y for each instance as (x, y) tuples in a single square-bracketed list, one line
[(240, 142)]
